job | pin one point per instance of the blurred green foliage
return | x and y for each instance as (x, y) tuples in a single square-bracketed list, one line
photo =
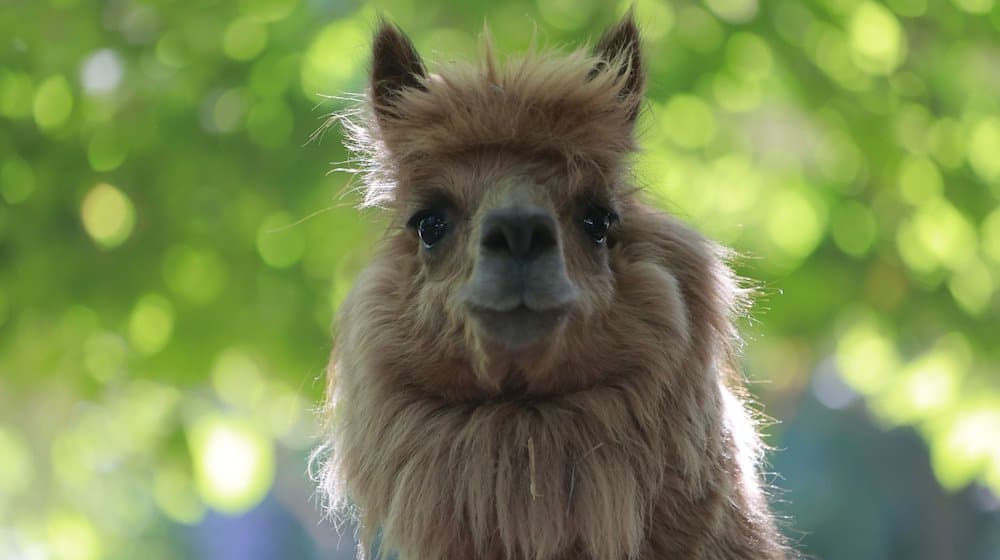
[(172, 249)]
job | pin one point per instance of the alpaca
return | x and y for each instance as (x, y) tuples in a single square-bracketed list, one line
[(536, 365)]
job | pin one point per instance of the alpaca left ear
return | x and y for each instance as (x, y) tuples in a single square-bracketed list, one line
[(395, 67), (620, 46)]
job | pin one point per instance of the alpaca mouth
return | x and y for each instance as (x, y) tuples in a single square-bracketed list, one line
[(520, 326)]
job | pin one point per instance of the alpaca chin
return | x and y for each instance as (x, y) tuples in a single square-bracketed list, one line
[(519, 329)]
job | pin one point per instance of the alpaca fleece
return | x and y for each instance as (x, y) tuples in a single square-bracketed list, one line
[(625, 435)]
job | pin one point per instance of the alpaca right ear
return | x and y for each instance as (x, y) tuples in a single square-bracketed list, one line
[(395, 67), (621, 44)]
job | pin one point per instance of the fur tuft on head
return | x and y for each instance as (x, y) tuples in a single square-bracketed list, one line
[(580, 106)]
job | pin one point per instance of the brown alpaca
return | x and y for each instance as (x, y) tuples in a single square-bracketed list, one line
[(536, 365)]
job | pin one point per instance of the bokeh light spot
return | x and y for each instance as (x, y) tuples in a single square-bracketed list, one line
[(972, 286), (17, 94), (270, 123), (965, 445), (223, 112), (282, 410), (446, 42), (689, 121), (17, 180), (796, 221), (734, 11), (108, 215), (244, 39), (237, 379), (698, 30), (71, 536), (936, 236), (101, 72), (151, 324), (566, 14), (104, 356), (866, 357), (974, 6), (16, 469), (53, 102), (919, 180), (280, 242), (876, 38), (749, 55), (268, 10), (175, 494), (233, 462), (334, 60), (171, 50), (983, 149), (991, 236), (106, 151), (853, 227), (197, 275), (657, 17), (928, 385), (946, 141), (909, 8)]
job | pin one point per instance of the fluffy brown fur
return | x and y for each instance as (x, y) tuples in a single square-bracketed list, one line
[(623, 435)]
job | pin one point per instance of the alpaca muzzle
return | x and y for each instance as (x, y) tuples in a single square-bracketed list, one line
[(519, 290)]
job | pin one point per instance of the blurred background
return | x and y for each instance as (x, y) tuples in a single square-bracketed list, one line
[(172, 250)]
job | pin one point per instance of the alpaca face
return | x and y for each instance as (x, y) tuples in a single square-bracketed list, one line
[(531, 244), (509, 191)]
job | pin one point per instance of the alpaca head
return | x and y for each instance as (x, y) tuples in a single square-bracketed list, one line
[(535, 363), (509, 187)]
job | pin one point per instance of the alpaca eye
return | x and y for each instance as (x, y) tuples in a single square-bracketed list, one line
[(596, 223), (431, 227)]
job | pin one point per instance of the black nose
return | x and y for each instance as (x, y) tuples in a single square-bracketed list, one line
[(519, 233)]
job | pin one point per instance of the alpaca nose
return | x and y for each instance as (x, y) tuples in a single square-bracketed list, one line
[(519, 233)]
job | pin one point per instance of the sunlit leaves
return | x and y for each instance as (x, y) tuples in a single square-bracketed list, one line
[(332, 63), (172, 266), (17, 180), (244, 39), (53, 102), (854, 228), (280, 242), (101, 72), (197, 275), (734, 11), (106, 150), (657, 16), (566, 14), (151, 323), (16, 94), (108, 215), (984, 145), (876, 38), (234, 462), (689, 122), (176, 495), (16, 472)]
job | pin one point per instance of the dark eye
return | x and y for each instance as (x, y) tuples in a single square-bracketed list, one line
[(431, 227), (596, 222)]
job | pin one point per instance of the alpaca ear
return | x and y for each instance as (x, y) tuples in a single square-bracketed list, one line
[(395, 67), (620, 46)]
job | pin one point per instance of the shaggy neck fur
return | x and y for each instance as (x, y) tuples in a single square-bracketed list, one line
[(657, 461)]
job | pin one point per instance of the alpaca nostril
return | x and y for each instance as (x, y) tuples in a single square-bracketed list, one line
[(519, 233)]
